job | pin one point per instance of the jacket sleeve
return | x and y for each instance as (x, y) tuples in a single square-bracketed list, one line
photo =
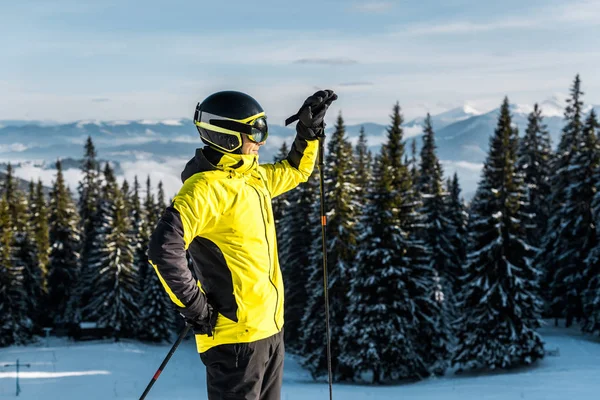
[(179, 225), (296, 168)]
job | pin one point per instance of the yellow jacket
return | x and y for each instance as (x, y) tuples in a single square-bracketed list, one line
[(223, 217)]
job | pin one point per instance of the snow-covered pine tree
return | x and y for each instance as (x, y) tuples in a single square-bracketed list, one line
[(455, 210), (413, 165), (156, 307), (533, 160), (65, 244), (161, 203), (560, 258), (25, 269), (89, 193), (17, 261), (151, 219), (41, 231), (15, 326), (114, 297), (381, 322), (36, 275), (590, 158), (363, 166), (279, 203), (340, 209), (89, 198), (500, 299), (297, 233), (437, 236)]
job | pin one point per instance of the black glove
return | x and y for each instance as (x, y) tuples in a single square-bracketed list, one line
[(312, 113), (203, 324)]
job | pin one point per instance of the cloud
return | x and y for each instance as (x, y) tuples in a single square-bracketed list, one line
[(100, 100), (464, 165), (356, 84), (580, 12), (167, 171), (412, 131), (469, 27), (28, 172), (372, 6), (327, 61), (14, 147)]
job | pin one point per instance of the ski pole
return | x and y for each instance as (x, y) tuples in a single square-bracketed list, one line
[(324, 239), (183, 333)]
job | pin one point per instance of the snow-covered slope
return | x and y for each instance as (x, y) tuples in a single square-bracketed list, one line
[(63, 370)]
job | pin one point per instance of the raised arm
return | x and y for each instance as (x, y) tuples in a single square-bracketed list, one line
[(299, 164)]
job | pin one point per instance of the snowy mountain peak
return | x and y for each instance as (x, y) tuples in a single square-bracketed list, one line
[(84, 122), (523, 109), (169, 122), (554, 106), (470, 110)]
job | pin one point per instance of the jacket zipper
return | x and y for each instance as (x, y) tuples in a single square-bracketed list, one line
[(269, 250)]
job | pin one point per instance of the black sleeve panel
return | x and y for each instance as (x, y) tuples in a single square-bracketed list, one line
[(297, 151), (166, 251)]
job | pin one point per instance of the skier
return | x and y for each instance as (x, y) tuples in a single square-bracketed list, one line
[(222, 216)]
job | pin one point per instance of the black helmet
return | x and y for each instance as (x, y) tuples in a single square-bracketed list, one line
[(223, 116)]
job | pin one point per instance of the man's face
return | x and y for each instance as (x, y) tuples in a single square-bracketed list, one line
[(250, 147)]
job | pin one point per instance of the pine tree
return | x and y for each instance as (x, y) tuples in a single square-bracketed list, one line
[(15, 327), (382, 320), (89, 199), (280, 202), (562, 257), (156, 309), (297, 235), (364, 168), (437, 237), (15, 264), (115, 295), (413, 164), (65, 244), (6, 276), (534, 158), (500, 283), (89, 192), (589, 164), (25, 269), (458, 217), (127, 197), (41, 229), (340, 209), (380, 323), (36, 250), (152, 217)]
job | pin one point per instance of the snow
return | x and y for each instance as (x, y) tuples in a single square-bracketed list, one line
[(118, 123), (82, 123), (105, 370), (170, 122), (470, 110)]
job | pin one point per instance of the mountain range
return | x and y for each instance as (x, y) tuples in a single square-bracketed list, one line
[(462, 138)]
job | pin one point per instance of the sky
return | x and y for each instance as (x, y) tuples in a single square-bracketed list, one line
[(70, 60)]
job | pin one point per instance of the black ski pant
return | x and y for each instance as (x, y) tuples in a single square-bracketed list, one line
[(245, 371)]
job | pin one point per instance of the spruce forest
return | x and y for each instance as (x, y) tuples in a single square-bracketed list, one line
[(418, 280)]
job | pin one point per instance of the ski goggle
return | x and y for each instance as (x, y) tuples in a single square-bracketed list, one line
[(254, 127)]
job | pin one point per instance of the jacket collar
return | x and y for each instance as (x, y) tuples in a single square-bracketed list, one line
[(209, 159)]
